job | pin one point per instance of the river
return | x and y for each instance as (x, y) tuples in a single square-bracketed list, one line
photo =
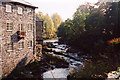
[(74, 60)]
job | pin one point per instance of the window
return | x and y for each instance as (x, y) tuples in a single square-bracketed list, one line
[(0, 3), (8, 8), (21, 27), (29, 11), (9, 26), (0, 26), (29, 44), (29, 27), (19, 10), (21, 45), (0, 48), (10, 47)]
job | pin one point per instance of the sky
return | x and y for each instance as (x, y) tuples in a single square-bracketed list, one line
[(65, 8)]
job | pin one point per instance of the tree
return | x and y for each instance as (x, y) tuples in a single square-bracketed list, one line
[(56, 20), (41, 16), (48, 25), (112, 17), (50, 30), (96, 31), (91, 26)]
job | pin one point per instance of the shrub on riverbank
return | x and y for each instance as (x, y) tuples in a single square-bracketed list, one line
[(96, 70), (100, 64)]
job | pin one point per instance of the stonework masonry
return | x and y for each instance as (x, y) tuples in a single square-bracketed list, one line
[(9, 60)]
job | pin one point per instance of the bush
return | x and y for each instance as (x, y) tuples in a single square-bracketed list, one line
[(93, 70)]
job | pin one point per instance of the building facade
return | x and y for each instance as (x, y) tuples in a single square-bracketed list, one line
[(38, 38), (17, 34)]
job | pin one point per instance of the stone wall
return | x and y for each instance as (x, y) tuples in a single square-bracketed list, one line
[(17, 57), (0, 39), (39, 38)]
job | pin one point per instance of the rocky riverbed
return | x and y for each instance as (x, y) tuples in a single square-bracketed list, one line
[(73, 57)]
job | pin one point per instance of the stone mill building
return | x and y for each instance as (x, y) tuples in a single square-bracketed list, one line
[(20, 35)]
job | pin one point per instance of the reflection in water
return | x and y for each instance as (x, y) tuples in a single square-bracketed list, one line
[(73, 64)]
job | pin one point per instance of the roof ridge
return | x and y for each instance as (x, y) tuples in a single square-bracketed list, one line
[(20, 1)]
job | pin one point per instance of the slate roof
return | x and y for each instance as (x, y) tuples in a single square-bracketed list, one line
[(20, 2)]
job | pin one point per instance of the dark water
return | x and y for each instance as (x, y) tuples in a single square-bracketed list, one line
[(72, 58)]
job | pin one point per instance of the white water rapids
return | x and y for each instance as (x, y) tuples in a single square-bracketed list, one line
[(62, 72)]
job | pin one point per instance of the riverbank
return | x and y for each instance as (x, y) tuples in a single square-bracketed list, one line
[(101, 63), (35, 69), (98, 70)]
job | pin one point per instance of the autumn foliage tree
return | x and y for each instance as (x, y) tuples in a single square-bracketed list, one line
[(49, 24), (56, 20)]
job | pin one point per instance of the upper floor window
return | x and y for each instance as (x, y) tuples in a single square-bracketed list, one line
[(0, 48), (9, 26), (10, 47), (21, 27), (29, 11), (1, 26), (20, 11), (21, 45), (8, 8), (29, 44), (29, 27), (0, 3)]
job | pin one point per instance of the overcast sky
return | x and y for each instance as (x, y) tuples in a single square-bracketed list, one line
[(65, 8)]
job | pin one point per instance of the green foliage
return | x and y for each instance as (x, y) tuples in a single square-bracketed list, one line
[(66, 29), (71, 29), (91, 70), (92, 28), (112, 18)]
